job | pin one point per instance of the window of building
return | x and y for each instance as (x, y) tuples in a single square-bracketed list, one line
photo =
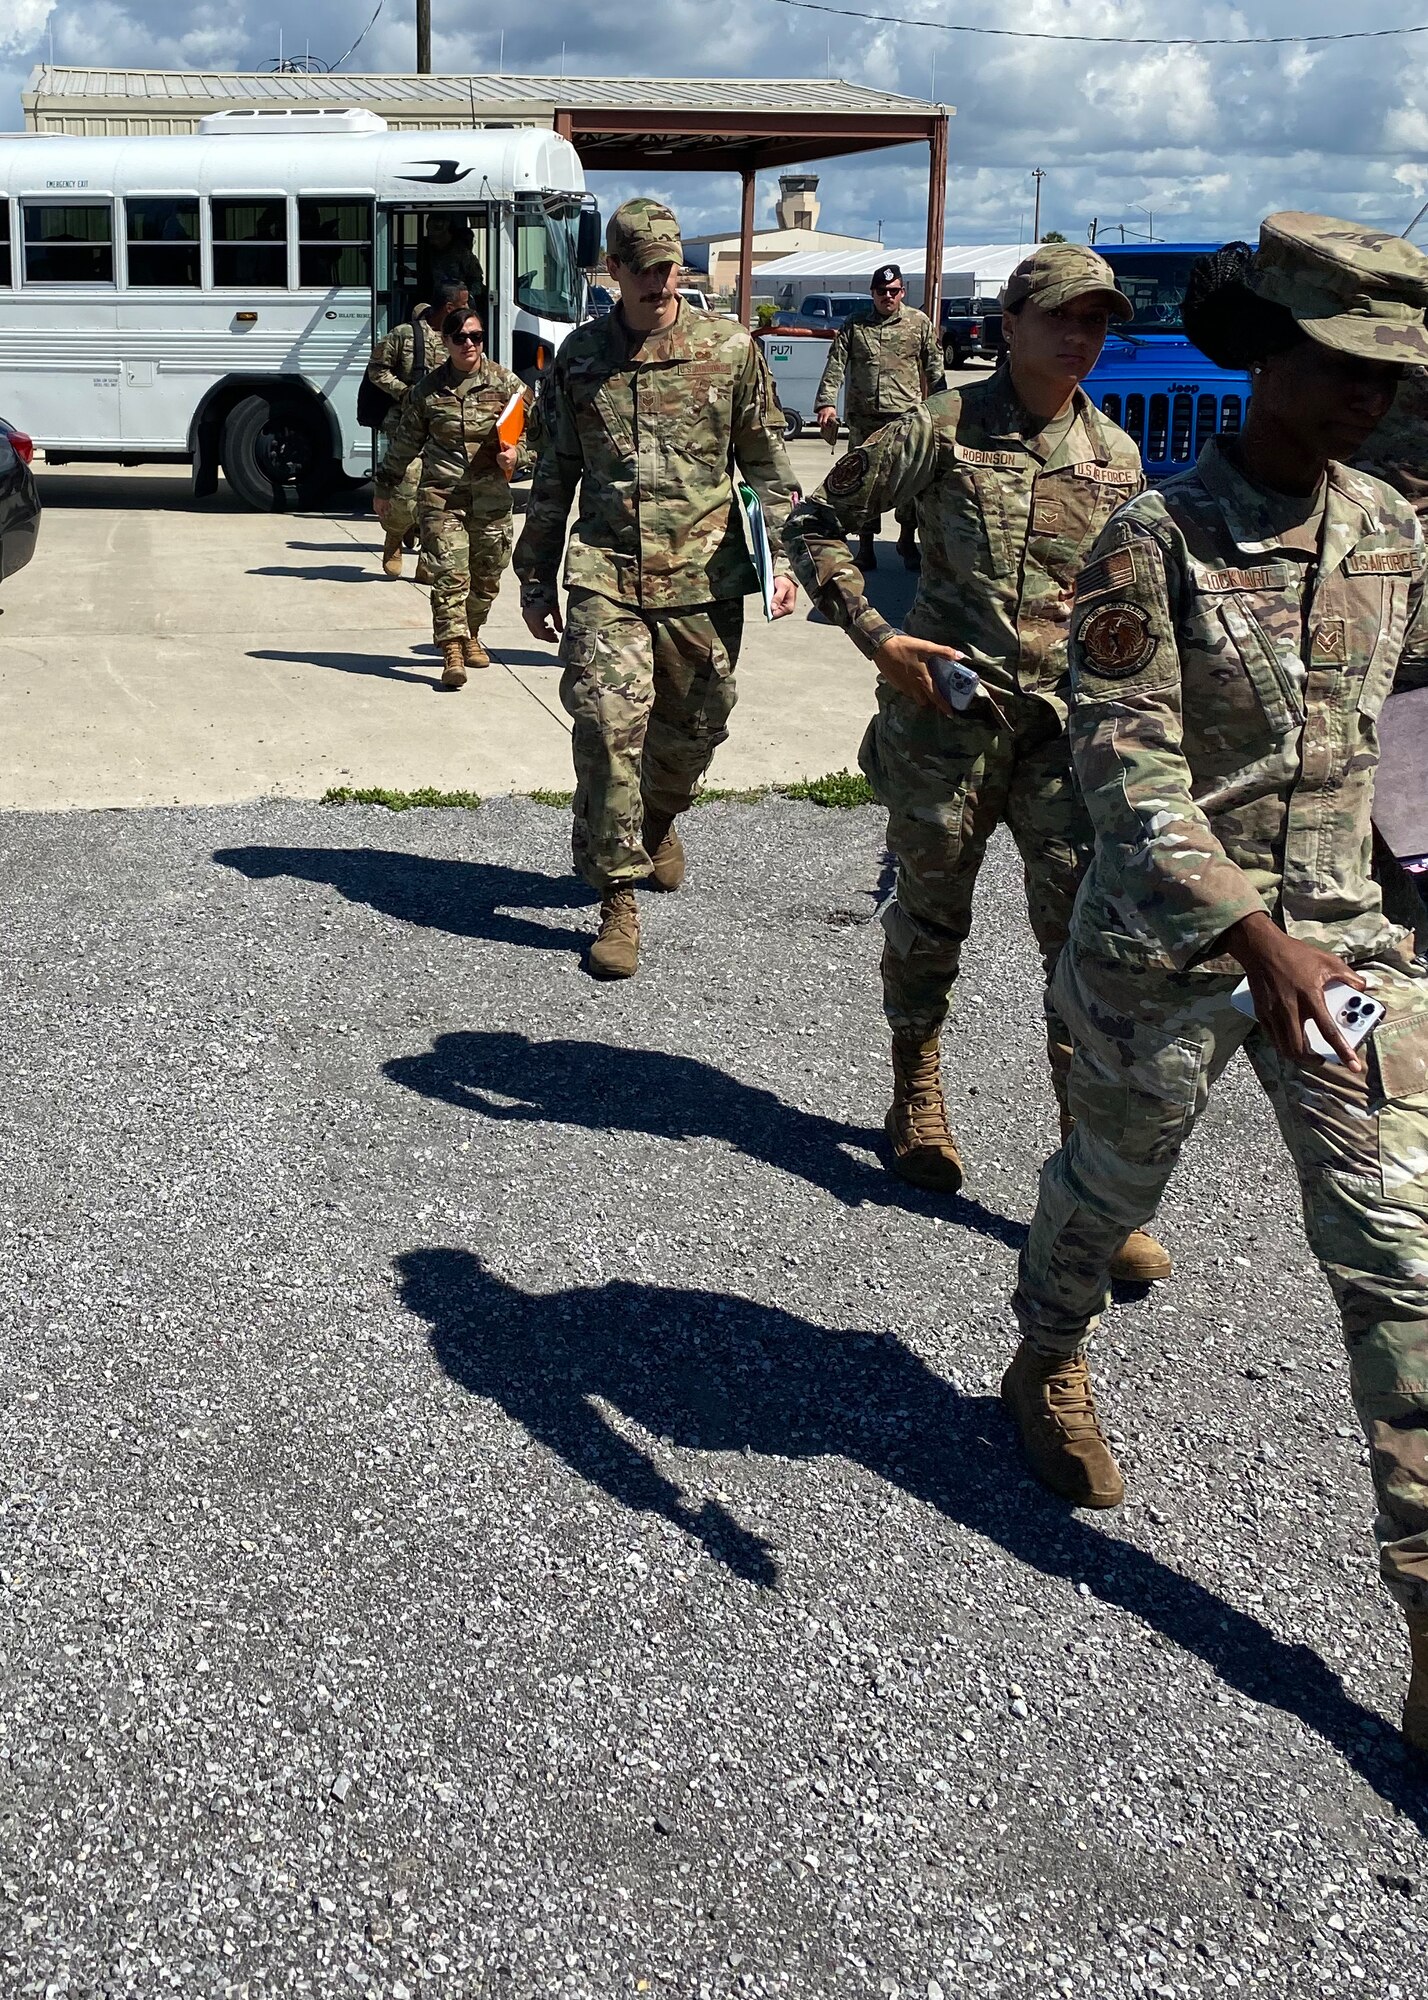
[(71, 244), (163, 240), (334, 243), (250, 240)]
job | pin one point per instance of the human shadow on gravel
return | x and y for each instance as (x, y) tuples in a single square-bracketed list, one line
[(707, 1371), (510, 1077), (466, 898)]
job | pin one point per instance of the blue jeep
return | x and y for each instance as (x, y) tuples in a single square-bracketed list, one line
[(1149, 379)]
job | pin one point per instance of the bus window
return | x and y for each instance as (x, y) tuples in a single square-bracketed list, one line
[(250, 241), (163, 240), (69, 245), (5, 278), (334, 243), (548, 278)]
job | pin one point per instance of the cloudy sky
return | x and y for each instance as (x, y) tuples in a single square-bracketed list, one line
[(1206, 139)]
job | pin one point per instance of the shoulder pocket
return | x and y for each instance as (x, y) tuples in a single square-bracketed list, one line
[(1121, 642)]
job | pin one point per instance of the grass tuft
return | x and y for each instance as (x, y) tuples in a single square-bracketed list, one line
[(840, 789), (383, 795)]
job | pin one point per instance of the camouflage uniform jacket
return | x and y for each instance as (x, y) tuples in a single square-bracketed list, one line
[(1225, 715), (650, 438), (1398, 449), (890, 364), (395, 365), (449, 421), (1006, 524)]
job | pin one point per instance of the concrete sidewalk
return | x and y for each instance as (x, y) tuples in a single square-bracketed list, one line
[(166, 651)]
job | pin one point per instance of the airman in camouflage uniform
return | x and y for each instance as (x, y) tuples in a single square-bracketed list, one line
[(448, 423), (399, 361), (1232, 647), (888, 356), (1010, 505), (647, 420)]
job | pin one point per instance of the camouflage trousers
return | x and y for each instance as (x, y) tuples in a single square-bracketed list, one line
[(859, 433), (947, 783), (403, 498), (1149, 1046), (466, 551), (650, 696)]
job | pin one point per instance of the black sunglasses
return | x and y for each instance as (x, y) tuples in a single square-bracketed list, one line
[(468, 339), (887, 288)]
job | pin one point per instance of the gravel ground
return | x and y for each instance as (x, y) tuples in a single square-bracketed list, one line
[(503, 1495)]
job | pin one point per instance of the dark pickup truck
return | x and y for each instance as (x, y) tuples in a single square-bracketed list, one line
[(971, 327)]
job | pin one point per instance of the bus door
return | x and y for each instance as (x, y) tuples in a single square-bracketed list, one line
[(412, 255)]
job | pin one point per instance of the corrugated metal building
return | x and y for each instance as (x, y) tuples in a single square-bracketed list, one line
[(97, 103)]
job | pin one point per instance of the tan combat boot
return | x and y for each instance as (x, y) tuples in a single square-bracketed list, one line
[(1051, 1400), (391, 555), (924, 1151), (1141, 1260), (1415, 1707), (665, 850), (615, 953), (423, 571), (453, 672), (476, 654)]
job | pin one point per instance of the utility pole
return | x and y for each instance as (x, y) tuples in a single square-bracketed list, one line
[(1038, 174), (1095, 220), (423, 13)]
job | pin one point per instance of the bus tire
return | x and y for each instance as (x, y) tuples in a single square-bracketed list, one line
[(274, 452), (792, 426)]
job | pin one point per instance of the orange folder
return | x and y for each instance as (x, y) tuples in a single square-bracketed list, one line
[(511, 424)]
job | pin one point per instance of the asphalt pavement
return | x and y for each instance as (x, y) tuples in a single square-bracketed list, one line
[(504, 1495)]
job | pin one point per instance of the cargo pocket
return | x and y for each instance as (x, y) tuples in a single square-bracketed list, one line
[(1400, 1050)]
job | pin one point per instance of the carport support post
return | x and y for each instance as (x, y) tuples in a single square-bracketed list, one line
[(744, 303), (936, 215)]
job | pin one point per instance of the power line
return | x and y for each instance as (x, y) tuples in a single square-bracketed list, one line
[(1127, 41), (362, 37)]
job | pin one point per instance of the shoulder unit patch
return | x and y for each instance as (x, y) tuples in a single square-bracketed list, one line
[(848, 474), (1116, 640)]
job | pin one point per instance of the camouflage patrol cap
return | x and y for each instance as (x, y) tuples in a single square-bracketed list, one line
[(1357, 290), (642, 233), (1056, 273)]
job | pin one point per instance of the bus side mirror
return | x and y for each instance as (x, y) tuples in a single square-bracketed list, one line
[(587, 239)]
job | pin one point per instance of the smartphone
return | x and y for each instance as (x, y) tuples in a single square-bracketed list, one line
[(956, 682), (1356, 1014)]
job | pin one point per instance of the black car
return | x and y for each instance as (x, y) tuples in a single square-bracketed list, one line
[(19, 502)]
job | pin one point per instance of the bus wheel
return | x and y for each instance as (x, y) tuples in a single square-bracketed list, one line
[(792, 426), (273, 453)]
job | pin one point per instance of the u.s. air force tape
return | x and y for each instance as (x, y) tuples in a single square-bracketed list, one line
[(848, 474), (1116, 640)]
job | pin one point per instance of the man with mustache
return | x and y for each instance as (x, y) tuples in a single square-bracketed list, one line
[(646, 413)]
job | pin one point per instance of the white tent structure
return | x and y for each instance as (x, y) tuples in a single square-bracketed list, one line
[(967, 268)]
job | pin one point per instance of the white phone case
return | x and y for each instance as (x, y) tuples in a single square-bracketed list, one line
[(1357, 1014)]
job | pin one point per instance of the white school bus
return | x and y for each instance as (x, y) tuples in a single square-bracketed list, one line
[(214, 298)]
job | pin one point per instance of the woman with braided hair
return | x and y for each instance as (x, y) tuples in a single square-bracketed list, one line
[(1234, 637)]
